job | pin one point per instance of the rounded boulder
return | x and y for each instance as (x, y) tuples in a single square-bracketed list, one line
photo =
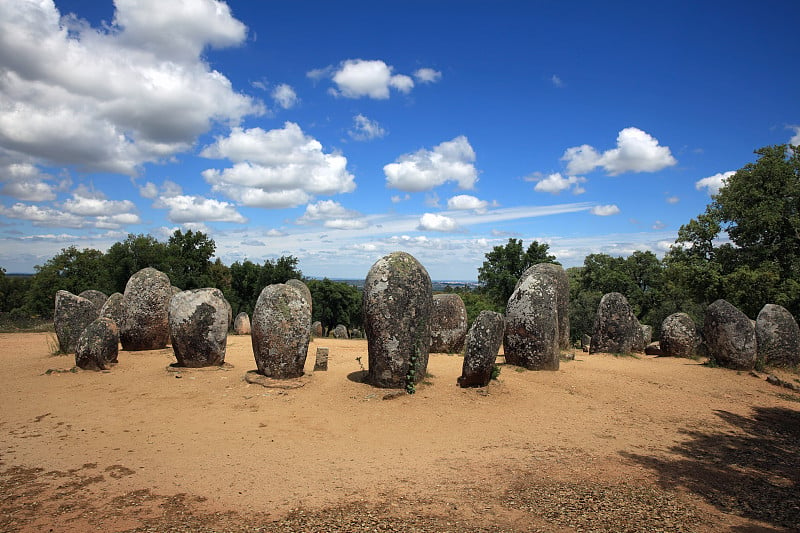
[(112, 308), (679, 336), (145, 311), (98, 346), (777, 336), (482, 344), (397, 304), (71, 316), (198, 326), (448, 323), (531, 333), (616, 328), (241, 324), (730, 336), (281, 331), (558, 277), (98, 298)]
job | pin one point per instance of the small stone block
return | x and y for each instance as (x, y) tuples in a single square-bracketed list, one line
[(321, 363)]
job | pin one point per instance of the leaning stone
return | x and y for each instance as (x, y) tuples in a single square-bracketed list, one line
[(98, 298), (321, 361), (304, 290), (482, 344), (730, 336), (558, 276), (113, 308), (316, 329), (777, 336), (448, 323), (145, 309), (281, 331), (98, 345), (72, 315), (616, 328), (198, 325), (397, 302), (679, 336), (340, 332), (531, 335), (241, 325)]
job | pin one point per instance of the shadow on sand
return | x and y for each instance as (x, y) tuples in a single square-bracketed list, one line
[(750, 468)]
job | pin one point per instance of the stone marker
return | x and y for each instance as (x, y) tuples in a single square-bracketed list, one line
[(397, 302), (679, 336), (482, 344), (98, 298), (730, 336), (316, 329), (112, 308), (98, 345), (321, 362), (448, 323), (281, 331), (558, 276), (340, 332), (616, 328), (71, 316), (241, 325), (198, 327), (777, 336), (145, 309), (304, 290), (531, 336)]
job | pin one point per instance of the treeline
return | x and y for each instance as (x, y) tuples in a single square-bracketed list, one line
[(744, 248)]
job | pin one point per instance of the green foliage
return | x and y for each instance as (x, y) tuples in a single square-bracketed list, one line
[(248, 279), (495, 371), (123, 259), (475, 301), (335, 303), (12, 291), (188, 260), (505, 264)]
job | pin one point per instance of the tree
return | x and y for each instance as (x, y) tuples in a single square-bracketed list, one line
[(136, 252), (248, 279), (335, 303), (505, 264), (188, 259)]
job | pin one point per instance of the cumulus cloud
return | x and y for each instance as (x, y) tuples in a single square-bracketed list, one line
[(434, 222), (276, 168), (555, 183), (25, 181), (365, 129), (636, 151), (425, 169), (604, 210), (358, 78), (467, 202), (93, 204), (112, 98), (714, 183), (427, 75), (185, 209), (795, 140), (285, 96), (333, 215), (168, 188), (43, 216)]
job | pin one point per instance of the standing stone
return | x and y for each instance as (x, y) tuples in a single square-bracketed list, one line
[(321, 361), (241, 325), (531, 337), (98, 345), (397, 302), (647, 337), (777, 336), (145, 309), (340, 332), (558, 277), (198, 327), (281, 331), (72, 315), (316, 329), (304, 290), (730, 336), (482, 344), (448, 323), (113, 308), (98, 298), (679, 336), (616, 328)]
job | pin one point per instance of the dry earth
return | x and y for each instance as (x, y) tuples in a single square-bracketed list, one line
[(604, 444)]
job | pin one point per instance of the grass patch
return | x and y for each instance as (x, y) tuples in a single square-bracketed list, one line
[(788, 397)]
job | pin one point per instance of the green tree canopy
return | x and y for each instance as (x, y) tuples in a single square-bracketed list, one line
[(123, 259), (188, 261), (505, 264), (335, 303)]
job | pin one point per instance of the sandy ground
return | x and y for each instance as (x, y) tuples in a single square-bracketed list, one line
[(604, 444)]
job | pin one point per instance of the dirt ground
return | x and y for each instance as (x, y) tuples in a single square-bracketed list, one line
[(604, 444)]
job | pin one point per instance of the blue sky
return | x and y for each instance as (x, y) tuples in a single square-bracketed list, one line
[(338, 132)]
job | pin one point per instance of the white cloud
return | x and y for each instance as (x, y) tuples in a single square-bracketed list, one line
[(346, 223), (795, 140), (326, 209), (427, 75), (25, 181), (555, 183), (365, 129), (276, 168), (604, 210), (93, 204), (112, 98), (396, 199), (467, 202), (556, 81), (43, 216), (658, 225), (434, 222), (714, 183), (285, 96), (195, 209), (673, 199), (636, 151), (358, 78), (425, 169)]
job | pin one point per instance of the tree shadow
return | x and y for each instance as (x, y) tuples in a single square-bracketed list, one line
[(751, 468)]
